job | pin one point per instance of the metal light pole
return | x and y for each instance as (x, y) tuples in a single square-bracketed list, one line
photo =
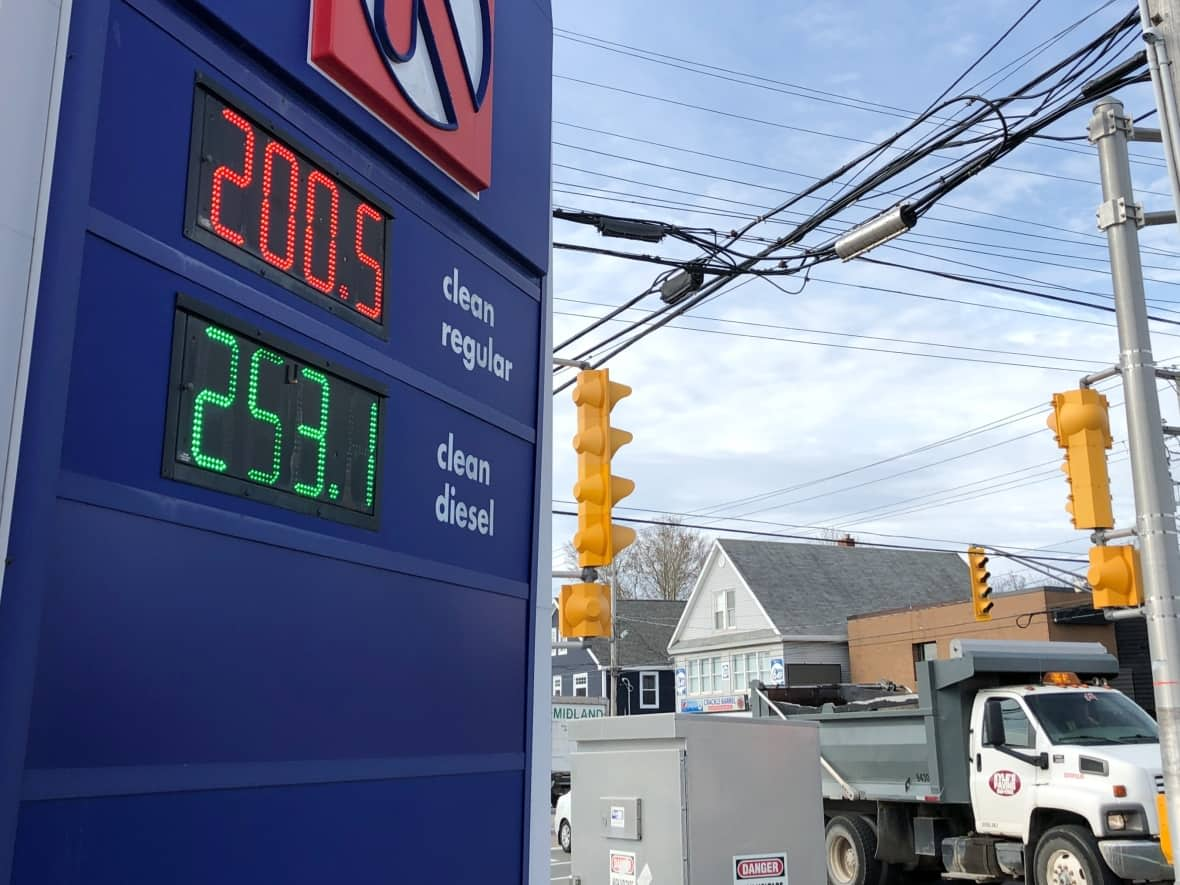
[(1155, 502), (614, 650)]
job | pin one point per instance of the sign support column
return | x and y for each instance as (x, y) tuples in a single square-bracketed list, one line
[(1155, 502)]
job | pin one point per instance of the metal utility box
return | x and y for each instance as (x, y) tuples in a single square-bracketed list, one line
[(680, 799)]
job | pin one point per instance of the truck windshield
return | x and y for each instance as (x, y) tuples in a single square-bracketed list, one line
[(1092, 717)]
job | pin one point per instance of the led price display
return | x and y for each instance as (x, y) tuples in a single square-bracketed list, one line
[(258, 419), (260, 202)]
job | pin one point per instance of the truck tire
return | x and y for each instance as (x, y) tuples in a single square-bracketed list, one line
[(849, 846), (1069, 854)]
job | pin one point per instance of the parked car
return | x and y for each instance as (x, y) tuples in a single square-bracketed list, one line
[(561, 823)]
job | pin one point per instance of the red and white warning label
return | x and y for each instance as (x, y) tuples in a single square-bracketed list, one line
[(760, 869), (622, 868)]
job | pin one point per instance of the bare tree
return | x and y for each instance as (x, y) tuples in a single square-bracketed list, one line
[(621, 572), (663, 563), (1009, 583)]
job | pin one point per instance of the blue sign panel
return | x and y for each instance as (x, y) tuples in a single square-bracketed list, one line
[(276, 517)]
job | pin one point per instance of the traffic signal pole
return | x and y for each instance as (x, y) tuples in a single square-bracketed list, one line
[(1155, 502)]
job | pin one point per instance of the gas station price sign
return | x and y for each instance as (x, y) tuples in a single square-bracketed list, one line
[(256, 199), (256, 418)]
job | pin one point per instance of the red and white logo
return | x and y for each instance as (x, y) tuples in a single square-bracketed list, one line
[(1004, 783), (760, 867), (622, 864), (422, 67)]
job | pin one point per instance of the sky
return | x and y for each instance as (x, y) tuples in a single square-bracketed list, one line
[(765, 409)]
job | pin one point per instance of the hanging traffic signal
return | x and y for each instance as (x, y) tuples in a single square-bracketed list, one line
[(597, 491), (981, 591), (583, 611), (1114, 577), (1081, 422)]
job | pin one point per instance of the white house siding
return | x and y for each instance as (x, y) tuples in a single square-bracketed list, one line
[(697, 622), (818, 653)]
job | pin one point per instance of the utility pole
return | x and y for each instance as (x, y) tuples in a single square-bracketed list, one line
[(614, 651), (1155, 501)]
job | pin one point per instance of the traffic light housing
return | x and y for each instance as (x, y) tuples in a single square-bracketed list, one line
[(598, 539), (981, 590), (1114, 577), (584, 611), (1081, 422)]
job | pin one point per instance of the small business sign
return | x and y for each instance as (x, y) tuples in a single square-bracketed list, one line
[(723, 704), (622, 868), (760, 869)]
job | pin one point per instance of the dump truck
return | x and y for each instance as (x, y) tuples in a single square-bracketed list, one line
[(1013, 760)]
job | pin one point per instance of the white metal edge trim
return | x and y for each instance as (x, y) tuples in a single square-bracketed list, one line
[(33, 281), (540, 821)]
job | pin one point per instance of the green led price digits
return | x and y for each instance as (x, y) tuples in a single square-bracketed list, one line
[(318, 434), (372, 456), (291, 410), (208, 396), (261, 414)]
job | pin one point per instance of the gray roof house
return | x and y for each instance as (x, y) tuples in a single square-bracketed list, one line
[(648, 625), (646, 680), (778, 612)]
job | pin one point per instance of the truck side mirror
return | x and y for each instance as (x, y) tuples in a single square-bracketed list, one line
[(993, 725)]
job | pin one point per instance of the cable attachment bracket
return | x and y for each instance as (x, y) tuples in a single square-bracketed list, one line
[(1106, 122), (1118, 211)]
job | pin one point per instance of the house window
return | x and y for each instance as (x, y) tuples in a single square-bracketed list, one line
[(723, 610), (581, 683), (557, 686), (924, 651), (740, 679), (764, 667), (694, 676), (649, 691), (707, 675), (554, 638)]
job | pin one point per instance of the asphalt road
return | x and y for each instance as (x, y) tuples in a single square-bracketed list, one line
[(559, 862)]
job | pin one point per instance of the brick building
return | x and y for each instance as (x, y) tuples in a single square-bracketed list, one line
[(886, 644)]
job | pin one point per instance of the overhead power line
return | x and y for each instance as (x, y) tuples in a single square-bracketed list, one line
[(1081, 237), (808, 131), (790, 536)]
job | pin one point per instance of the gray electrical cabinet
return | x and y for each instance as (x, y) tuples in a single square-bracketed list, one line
[(695, 799)]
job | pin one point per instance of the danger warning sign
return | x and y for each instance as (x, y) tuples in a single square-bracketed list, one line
[(760, 869), (622, 868)]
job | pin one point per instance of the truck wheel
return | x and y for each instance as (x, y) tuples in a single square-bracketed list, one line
[(849, 847), (1068, 855)]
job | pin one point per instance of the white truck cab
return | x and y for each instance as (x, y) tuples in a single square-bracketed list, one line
[(1084, 749), (1014, 760)]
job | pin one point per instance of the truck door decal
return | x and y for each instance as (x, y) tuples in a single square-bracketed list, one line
[(1004, 783)]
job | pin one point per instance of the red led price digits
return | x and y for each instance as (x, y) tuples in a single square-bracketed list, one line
[(287, 260), (286, 174), (324, 285), (241, 179), (372, 311)]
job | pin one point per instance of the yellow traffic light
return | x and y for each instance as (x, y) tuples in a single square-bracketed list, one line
[(597, 491), (981, 591), (584, 610), (1081, 422), (1114, 577)]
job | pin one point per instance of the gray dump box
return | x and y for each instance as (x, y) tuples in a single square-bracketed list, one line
[(914, 747)]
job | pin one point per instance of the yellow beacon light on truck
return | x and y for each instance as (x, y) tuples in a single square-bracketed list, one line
[(1062, 677)]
